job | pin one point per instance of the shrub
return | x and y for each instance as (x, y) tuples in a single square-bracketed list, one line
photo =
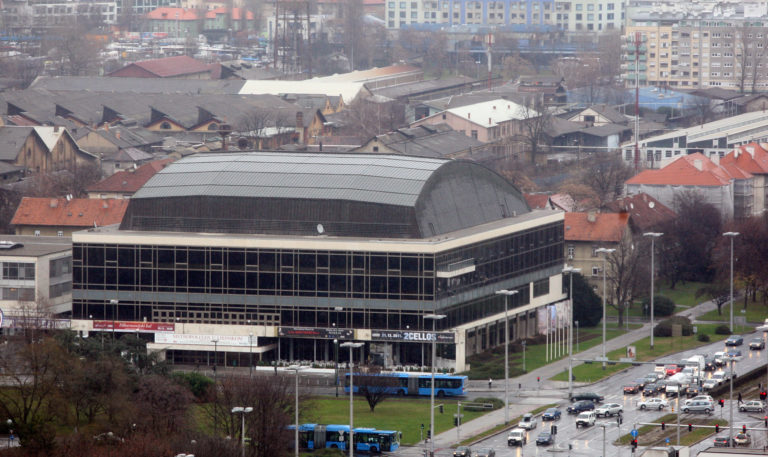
[(664, 328), (703, 337), (662, 306), (496, 402), (722, 329), (197, 383)]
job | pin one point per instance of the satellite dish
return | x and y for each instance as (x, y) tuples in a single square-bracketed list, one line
[(320, 229)]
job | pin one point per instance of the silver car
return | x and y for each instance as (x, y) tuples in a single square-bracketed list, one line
[(699, 406), (752, 405)]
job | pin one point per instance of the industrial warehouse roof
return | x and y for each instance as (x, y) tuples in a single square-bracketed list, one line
[(348, 194)]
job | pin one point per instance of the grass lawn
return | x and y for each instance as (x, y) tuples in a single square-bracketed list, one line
[(684, 296), (653, 435), (490, 364), (756, 312), (662, 346), (403, 414)]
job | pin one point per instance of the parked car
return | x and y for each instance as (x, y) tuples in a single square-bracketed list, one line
[(632, 388), (721, 441), (484, 452), (742, 439), (699, 406), (653, 403), (462, 451), (551, 414), (587, 396), (580, 406), (757, 343), (517, 437), (528, 422), (734, 340), (752, 405), (609, 409), (544, 439), (586, 419)]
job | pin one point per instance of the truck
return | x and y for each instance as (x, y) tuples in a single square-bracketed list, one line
[(697, 362)]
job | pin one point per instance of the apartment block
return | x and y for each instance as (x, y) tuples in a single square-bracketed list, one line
[(698, 45)]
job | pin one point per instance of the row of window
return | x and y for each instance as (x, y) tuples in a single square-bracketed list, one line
[(17, 270)]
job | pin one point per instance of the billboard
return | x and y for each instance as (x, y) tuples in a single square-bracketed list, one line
[(412, 336), (134, 326), (317, 332)]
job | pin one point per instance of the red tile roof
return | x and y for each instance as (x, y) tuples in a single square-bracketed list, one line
[(751, 157), (645, 212), (689, 170), (169, 66), (236, 13), (129, 181), (78, 212), (165, 13), (606, 227), (537, 201)]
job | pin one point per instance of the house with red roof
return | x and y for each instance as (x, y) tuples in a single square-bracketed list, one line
[(646, 214), (587, 232), (753, 159), (62, 216), (693, 172), (125, 183), (184, 67)]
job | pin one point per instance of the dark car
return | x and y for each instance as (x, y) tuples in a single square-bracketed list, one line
[(721, 441), (462, 451), (544, 439), (484, 452), (710, 364), (591, 396), (632, 388), (734, 340), (692, 391), (581, 406), (551, 414), (757, 343), (640, 382), (651, 389)]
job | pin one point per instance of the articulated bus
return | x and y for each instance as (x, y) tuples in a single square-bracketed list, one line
[(317, 436), (410, 384)]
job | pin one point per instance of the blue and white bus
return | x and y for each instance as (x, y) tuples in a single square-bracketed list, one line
[(400, 383), (318, 436)]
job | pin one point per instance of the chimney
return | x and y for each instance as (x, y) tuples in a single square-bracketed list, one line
[(117, 134), (698, 164), (299, 119), (489, 121), (591, 217), (55, 129), (469, 115)]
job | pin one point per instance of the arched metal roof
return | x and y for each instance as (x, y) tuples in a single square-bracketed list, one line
[(350, 194)]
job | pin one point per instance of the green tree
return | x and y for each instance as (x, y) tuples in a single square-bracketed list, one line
[(588, 305)]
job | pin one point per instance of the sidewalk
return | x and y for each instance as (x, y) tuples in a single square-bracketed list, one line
[(534, 394)]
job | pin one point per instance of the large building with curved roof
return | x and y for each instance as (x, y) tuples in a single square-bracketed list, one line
[(281, 254)]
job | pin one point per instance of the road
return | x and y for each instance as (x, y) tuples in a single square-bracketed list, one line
[(589, 441)]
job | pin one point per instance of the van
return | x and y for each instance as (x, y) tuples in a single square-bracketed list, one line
[(586, 419)]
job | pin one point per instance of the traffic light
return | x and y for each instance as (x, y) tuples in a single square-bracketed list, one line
[(663, 426), (690, 427), (765, 421), (743, 429), (634, 444), (429, 433), (721, 402), (441, 408), (553, 430), (717, 428), (763, 394)]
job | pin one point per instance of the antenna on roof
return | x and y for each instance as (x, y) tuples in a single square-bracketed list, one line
[(320, 229), (69, 197)]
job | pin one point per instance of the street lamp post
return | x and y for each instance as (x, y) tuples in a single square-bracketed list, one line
[(242, 411), (351, 345), (731, 235), (570, 270), (434, 318), (296, 369), (250, 354), (730, 400), (336, 356), (507, 293), (605, 251), (10, 432), (576, 323), (114, 304), (215, 388), (653, 236)]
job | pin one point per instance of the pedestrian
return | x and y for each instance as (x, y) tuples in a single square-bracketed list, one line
[(740, 398), (490, 383)]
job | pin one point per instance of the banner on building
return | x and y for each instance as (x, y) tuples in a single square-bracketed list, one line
[(207, 340), (317, 332), (134, 326), (413, 336)]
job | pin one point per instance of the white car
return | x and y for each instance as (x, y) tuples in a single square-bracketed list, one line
[(528, 422), (710, 384), (586, 419), (700, 398), (653, 403), (609, 409)]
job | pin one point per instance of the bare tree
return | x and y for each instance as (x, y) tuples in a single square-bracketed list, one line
[(624, 271), (164, 405), (269, 128), (375, 388), (535, 119), (605, 173)]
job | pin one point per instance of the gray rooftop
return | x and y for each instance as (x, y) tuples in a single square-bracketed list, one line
[(11, 140), (35, 246), (138, 85)]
